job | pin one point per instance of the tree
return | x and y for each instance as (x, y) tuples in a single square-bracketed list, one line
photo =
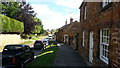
[(11, 9), (24, 13), (38, 27)]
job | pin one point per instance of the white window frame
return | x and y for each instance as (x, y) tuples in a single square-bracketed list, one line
[(104, 45), (106, 2), (83, 38), (85, 12), (66, 38)]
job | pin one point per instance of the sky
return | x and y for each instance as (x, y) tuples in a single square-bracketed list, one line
[(54, 13)]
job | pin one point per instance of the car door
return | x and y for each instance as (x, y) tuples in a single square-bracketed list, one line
[(27, 53)]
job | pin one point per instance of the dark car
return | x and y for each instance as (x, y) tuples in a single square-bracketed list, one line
[(15, 56), (38, 44)]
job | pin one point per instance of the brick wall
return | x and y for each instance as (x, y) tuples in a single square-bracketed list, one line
[(100, 18), (115, 47)]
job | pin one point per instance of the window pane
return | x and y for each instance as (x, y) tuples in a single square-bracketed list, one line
[(103, 52), (107, 55), (110, 1), (105, 47), (85, 13), (107, 40), (107, 33), (104, 40)]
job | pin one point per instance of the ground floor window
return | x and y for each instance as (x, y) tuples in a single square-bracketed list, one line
[(104, 44)]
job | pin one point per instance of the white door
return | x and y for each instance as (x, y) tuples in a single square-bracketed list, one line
[(90, 47)]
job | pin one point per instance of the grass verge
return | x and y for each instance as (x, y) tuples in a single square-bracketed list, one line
[(38, 38), (46, 58), (27, 42)]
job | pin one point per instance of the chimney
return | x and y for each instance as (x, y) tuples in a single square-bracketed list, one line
[(66, 22), (71, 20)]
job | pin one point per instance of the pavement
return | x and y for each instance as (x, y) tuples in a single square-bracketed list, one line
[(66, 56)]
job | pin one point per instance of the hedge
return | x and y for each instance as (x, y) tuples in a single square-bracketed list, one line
[(10, 25)]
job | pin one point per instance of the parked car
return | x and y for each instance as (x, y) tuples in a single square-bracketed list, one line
[(50, 37), (46, 42), (15, 56), (38, 44), (47, 38)]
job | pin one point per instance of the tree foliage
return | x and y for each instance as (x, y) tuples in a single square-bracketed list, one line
[(10, 25), (24, 13), (11, 9), (38, 27)]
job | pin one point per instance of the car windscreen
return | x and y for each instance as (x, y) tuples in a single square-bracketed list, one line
[(44, 41), (39, 42), (12, 47)]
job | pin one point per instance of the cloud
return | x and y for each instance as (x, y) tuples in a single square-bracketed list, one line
[(43, 9), (69, 3), (50, 19), (35, 1)]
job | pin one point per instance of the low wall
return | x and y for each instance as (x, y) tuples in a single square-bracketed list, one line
[(9, 39)]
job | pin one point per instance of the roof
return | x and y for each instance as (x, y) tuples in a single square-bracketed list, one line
[(83, 3)]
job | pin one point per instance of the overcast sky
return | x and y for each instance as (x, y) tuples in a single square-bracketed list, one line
[(54, 13)]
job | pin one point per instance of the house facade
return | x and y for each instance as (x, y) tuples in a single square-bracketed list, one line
[(69, 33), (99, 36)]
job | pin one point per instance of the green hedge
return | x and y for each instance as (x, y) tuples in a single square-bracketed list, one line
[(10, 25)]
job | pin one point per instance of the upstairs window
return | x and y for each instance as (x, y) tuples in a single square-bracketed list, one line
[(83, 38), (85, 13), (106, 2)]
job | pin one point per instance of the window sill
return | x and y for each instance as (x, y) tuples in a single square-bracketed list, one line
[(102, 63)]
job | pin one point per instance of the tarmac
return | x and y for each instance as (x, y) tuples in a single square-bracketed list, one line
[(68, 57)]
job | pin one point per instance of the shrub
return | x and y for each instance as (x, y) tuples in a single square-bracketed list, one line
[(10, 25)]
